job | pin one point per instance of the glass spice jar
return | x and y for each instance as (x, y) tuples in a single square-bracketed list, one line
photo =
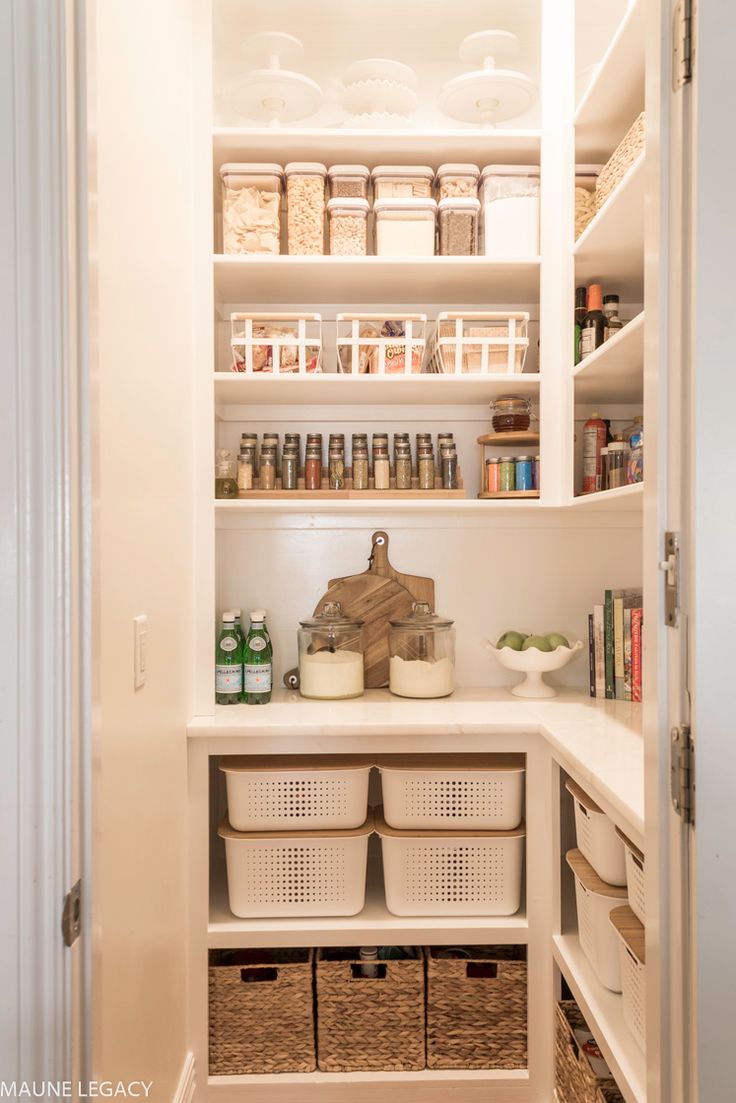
[(425, 468), (226, 485), (289, 470), (535, 473), (381, 469), (245, 469), (360, 470), (493, 475), (507, 474), (403, 469), (336, 469), (250, 440), (313, 468), (450, 472), (271, 440), (524, 473), (511, 414), (268, 470)]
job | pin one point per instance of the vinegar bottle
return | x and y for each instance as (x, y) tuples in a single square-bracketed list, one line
[(594, 439), (594, 323)]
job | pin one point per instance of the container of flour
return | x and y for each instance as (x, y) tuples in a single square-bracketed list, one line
[(422, 654)]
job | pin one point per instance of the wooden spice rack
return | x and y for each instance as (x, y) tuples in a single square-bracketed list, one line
[(506, 440), (349, 491)]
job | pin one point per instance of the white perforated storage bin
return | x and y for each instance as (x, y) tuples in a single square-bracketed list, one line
[(634, 877), (451, 872), (632, 957), (289, 873), (298, 794), (595, 901), (477, 792), (596, 837)]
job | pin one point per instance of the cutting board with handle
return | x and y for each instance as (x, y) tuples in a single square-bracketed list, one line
[(421, 589)]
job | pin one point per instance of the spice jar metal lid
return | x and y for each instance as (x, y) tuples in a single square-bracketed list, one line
[(507, 459), (422, 617), (332, 615), (526, 459), (494, 459)]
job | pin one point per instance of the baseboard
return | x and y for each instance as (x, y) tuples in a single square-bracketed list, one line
[(185, 1088)]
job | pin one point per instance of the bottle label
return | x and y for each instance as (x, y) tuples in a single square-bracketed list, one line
[(228, 679), (257, 643), (257, 678), (228, 644), (587, 341)]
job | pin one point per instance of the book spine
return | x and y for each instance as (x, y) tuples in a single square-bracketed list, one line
[(618, 644), (608, 631), (637, 621), (600, 651), (591, 654), (627, 654)]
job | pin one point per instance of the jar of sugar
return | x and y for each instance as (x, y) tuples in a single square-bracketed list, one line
[(331, 655), (510, 198), (422, 650)]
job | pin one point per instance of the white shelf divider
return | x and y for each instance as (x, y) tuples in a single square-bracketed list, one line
[(611, 247), (620, 497), (615, 371)]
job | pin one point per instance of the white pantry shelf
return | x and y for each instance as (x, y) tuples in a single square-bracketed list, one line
[(615, 96), (331, 388), (610, 249), (230, 508), (615, 371), (374, 147), (451, 281), (620, 497), (604, 1014)]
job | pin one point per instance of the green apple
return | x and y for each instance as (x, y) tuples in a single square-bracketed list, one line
[(541, 643), (514, 640), (556, 639)]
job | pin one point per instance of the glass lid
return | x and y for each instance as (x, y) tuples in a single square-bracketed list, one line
[(331, 616), (421, 616)]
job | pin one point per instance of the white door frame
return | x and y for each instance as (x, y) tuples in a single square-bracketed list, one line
[(43, 521)]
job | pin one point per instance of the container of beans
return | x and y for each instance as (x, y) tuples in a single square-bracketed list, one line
[(458, 181), (458, 222), (511, 414), (305, 207), (507, 473), (348, 227), (348, 181)]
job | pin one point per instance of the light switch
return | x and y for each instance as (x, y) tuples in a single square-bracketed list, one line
[(140, 639)]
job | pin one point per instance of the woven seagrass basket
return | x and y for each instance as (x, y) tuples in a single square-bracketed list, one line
[(477, 1009), (369, 1023), (575, 1080), (261, 1008), (620, 161)]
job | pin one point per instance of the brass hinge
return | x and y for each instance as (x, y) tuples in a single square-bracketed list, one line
[(683, 53), (682, 772), (71, 916), (670, 566)]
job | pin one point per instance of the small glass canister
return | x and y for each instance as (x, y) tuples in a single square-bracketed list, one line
[(507, 474), (511, 414), (422, 650), (331, 655), (226, 485), (425, 467)]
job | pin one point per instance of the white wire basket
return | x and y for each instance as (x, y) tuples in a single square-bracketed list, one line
[(276, 343), (632, 960), (595, 900), (478, 342), (365, 348), (597, 837), (634, 877)]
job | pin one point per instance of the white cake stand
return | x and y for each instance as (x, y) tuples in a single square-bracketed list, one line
[(274, 94), (379, 88), (534, 664), (488, 95)]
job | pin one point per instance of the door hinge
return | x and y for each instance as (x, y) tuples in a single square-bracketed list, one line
[(671, 567), (71, 916), (682, 772), (682, 44)]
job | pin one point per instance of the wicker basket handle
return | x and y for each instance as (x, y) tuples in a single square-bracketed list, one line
[(259, 973), (482, 970), (357, 973)]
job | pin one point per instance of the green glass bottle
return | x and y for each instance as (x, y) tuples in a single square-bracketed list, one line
[(237, 613), (228, 663), (257, 662)]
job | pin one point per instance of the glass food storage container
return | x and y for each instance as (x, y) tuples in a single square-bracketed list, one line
[(402, 182), (405, 227), (251, 208), (348, 227), (348, 181), (511, 414), (510, 197), (305, 208), (458, 223), (457, 181), (422, 650), (331, 655)]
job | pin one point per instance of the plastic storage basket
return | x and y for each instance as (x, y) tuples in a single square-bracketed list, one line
[(478, 342), (597, 839), (581, 1075), (477, 1008), (262, 1027), (595, 901), (306, 794), (276, 342), (380, 344), (632, 957), (477, 792), (451, 872), (288, 873), (634, 877), (373, 1023)]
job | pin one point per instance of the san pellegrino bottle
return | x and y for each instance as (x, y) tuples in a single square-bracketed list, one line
[(257, 662), (237, 614), (228, 663)]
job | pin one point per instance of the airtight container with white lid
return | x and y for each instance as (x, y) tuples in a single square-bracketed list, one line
[(458, 181), (510, 198), (348, 220), (305, 207), (405, 227), (348, 181), (458, 227), (402, 182), (251, 208)]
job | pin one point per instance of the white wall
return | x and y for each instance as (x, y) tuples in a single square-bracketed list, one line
[(140, 101)]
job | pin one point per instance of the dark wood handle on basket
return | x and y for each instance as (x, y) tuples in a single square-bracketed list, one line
[(248, 976), (482, 970)]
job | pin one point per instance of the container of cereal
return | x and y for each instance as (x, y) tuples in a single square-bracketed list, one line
[(458, 224), (405, 227), (305, 207), (510, 196), (251, 208), (348, 227), (402, 182), (348, 181), (458, 181)]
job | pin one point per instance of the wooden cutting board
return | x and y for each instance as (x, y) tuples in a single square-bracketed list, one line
[(421, 589)]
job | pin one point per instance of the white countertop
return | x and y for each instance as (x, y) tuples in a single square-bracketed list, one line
[(598, 742)]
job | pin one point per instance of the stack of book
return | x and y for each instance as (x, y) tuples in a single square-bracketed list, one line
[(614, 637)]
